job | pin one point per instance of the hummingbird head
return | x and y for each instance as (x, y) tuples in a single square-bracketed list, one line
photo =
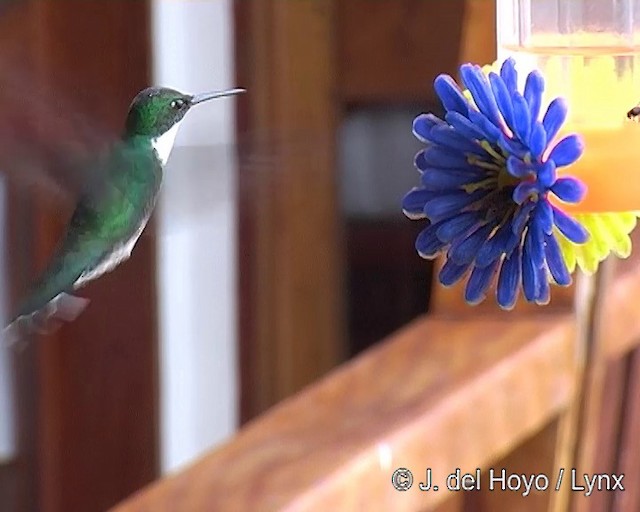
[(155, 110), (156, 113)]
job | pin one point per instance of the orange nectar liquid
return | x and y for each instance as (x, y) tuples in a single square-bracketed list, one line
[(601, 84)]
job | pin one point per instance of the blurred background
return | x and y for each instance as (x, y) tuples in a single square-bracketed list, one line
[(277, 252)]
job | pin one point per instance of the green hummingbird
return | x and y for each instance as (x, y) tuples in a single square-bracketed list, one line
[(114, 207)]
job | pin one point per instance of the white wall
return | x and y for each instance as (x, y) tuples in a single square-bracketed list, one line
[(196, 223)]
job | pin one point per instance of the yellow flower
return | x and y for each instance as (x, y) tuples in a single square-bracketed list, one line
[(608, 233)]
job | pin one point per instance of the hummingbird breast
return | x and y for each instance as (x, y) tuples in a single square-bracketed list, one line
[(126, 208), (120, 253)]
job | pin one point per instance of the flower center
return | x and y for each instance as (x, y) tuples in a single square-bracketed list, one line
[(505, 179)]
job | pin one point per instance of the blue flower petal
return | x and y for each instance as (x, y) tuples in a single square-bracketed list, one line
[(493, 248), (451, 273), (463, 126), (479, 281), (512, 147), (420, 160), (535, 241), (450, 95), (509, 74), (530, 273), (448, 137), (509, 280), (457, 226), (567, 151), (543, 294), (503, 98), (491, 132), (569, 189), (478, 84), (524, 191), (427, 244), (513, 242), (554, 117), (544, 215), (521, 217), (446, 205), (414, 201), (437, 156), (533, 89), (546, 174), (569, 227), (555, 261), (519, 169), (522, 118), (447, 179), (538, 140), (465, 250), (423, 124)]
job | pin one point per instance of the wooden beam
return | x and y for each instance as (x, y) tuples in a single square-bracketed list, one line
[(433, 395)]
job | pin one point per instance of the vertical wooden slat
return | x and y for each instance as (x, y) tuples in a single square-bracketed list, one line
[(582, 420), (584, 353), (289, 239), (609, 433), (628, 459), (391, 50), (478, 38), (533, 457)]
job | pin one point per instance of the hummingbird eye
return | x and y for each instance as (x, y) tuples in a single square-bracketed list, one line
[(177, 104)]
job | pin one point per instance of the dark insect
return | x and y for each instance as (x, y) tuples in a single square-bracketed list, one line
[(634, 114)]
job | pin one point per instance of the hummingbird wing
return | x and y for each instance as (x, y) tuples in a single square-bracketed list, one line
[(46, 139)]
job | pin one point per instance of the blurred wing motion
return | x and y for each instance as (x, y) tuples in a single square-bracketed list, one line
[(44, 138)]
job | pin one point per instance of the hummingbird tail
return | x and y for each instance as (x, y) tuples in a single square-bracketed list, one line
[(63, 308)]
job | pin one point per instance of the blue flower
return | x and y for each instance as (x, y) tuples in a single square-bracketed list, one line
[(486, 174)]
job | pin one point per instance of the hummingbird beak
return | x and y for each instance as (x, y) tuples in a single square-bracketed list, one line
[(205, 96)]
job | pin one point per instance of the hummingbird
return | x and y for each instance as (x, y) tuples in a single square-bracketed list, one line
[(114, 207)]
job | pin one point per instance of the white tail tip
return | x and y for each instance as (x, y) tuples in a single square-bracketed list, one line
[(64, 308)]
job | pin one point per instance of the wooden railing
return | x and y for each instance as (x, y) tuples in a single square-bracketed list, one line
[(530, 394)]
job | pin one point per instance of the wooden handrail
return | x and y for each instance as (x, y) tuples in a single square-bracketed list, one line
[(441, 393), (411, 402)]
